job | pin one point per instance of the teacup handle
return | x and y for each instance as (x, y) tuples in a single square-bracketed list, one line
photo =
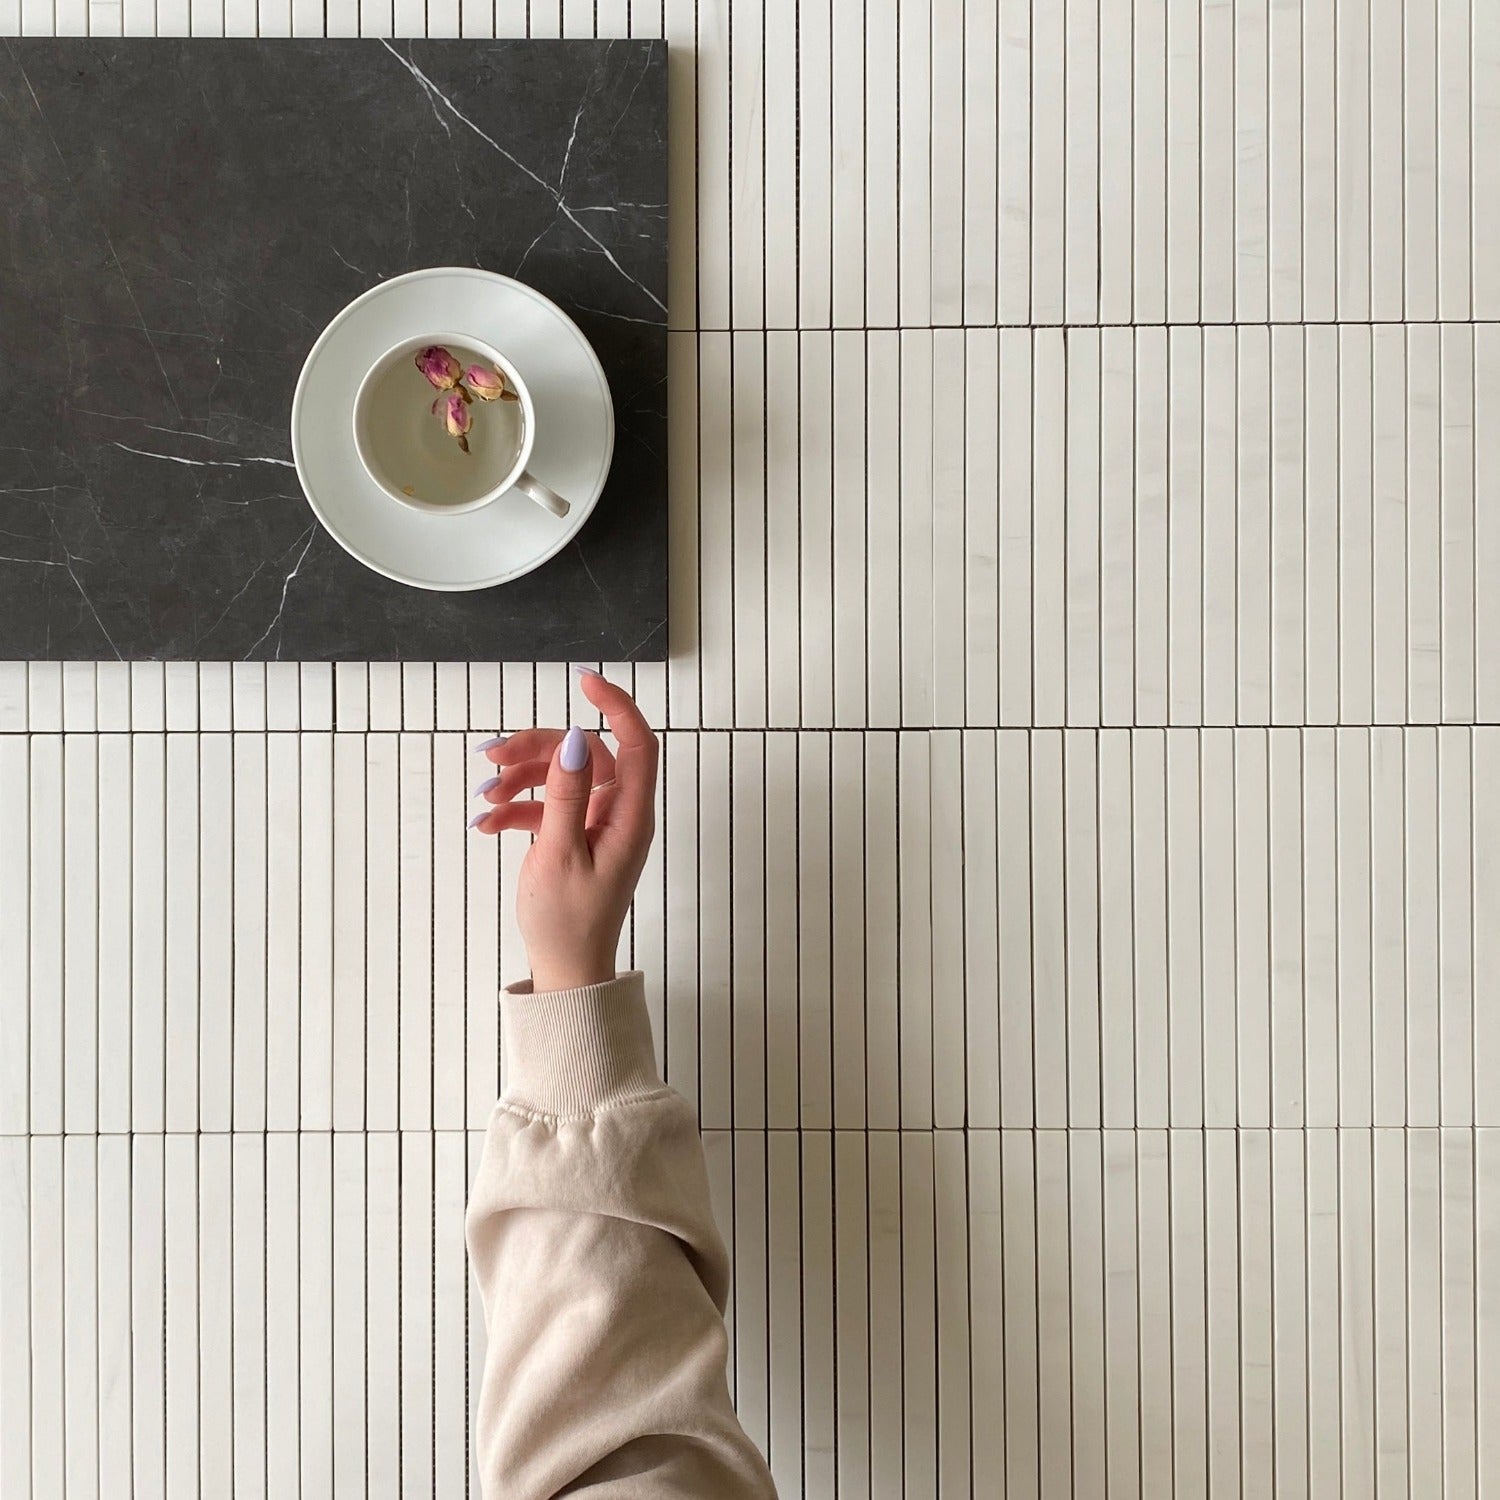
[(533, 488)]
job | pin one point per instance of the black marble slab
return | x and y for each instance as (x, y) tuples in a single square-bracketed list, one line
[(183, 218)]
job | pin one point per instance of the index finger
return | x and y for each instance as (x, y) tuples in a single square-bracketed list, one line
[(636, 756), (626, 721)]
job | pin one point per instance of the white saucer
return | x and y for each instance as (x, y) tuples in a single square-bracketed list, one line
[(575, 435)]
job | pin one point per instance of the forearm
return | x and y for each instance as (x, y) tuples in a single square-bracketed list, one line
[(602, 1274)]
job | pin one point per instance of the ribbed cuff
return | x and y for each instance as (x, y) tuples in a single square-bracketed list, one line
[(571, 1052)]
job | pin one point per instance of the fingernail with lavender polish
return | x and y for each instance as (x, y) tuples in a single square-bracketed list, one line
[(493, 744), (478, 818), (487, 785), (587, 672), (574, 755)]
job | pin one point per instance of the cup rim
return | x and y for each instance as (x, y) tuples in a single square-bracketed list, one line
[(406, 346)]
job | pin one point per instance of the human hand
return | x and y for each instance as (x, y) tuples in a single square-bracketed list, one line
[(592, 833)]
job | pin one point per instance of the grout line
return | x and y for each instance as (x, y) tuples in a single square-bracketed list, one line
[(800, 1130), (1457, 726)]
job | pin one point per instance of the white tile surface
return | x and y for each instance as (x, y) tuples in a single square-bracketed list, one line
[(1044, 1050)]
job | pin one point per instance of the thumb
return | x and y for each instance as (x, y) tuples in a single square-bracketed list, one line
[(565, 810)]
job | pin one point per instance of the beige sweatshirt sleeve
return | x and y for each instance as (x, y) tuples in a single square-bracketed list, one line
[(602, 1274)]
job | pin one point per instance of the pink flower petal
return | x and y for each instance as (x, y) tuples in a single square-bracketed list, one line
[(487, 384), (439, 367), (454, 415)]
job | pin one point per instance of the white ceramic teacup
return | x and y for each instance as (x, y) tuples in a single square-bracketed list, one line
[(409, 453)]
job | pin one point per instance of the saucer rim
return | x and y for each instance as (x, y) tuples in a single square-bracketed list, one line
[(582, 509)]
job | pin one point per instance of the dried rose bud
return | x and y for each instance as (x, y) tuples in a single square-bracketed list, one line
[(489, 384), (451, 411), (486, 384), (439, 367)]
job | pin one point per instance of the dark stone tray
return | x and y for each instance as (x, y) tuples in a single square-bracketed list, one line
[(182, 219)]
